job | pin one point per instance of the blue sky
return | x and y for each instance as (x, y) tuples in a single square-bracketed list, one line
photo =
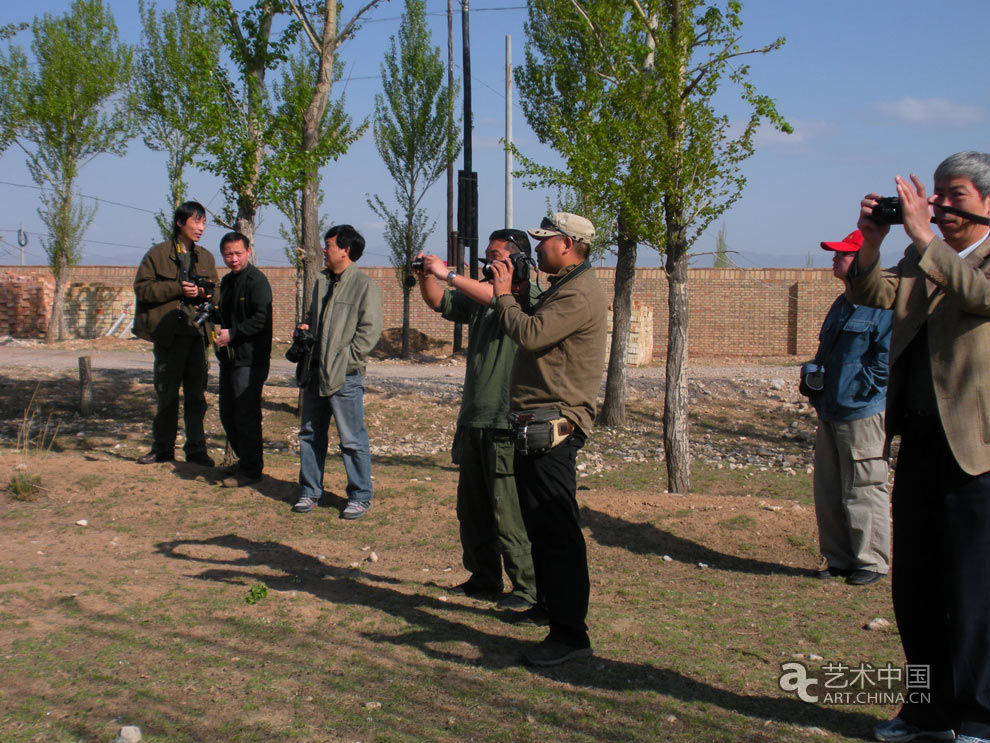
[(873, 90)]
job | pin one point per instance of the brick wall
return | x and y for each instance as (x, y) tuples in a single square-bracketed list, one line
[(733, 312)]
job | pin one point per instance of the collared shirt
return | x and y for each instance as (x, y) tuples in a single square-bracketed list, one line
[(854, 345)]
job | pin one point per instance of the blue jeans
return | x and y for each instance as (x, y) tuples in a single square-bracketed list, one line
[(346, 406)]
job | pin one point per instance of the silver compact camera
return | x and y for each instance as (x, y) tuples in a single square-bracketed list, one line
[(812, 378)]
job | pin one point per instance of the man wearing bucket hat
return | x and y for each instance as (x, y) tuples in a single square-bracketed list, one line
[(553, 391), (847, 384)]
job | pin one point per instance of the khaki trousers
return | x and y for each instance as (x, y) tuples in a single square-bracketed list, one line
[(851, 498)]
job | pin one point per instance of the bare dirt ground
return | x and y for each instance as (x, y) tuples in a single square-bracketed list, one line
[(119, 579)]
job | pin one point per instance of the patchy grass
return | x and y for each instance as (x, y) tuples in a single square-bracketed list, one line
[(142, 616)]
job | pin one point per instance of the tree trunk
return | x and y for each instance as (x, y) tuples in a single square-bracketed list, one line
[(300, 293), (676, 441), (56, 321), (405, 321), (312, 119), (613, 413), (312, 244)]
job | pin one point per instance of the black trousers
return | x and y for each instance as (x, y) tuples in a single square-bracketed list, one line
[(941, 579), (240, 413), (547, 487), (181, 364)]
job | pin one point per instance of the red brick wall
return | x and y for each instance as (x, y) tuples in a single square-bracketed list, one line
[(733, 312)]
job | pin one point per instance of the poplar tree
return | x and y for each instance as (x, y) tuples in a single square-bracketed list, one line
[(624, 91), (413, 139), (68, 109), (293, 94), (178, 75)]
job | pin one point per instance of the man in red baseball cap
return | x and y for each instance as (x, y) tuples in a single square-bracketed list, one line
[(847, 384)]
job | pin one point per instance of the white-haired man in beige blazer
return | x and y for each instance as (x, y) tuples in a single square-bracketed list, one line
[(938, 400)]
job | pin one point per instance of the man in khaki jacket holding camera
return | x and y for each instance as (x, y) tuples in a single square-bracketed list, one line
[(938, 400), (553, 390)]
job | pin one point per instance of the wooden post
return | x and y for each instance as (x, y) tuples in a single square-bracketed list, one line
[(85, 386)]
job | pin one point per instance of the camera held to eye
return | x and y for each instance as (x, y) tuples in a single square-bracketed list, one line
[(888, 211), (520, 268)]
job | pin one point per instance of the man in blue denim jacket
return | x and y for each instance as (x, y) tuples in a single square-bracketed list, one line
[(851, 500)]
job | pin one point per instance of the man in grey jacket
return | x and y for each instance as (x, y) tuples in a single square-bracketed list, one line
[(346, 315)]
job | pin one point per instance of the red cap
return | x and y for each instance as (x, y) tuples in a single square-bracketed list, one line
[(850, 243)]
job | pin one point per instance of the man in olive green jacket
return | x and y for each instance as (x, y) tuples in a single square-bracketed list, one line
[(346, 315)]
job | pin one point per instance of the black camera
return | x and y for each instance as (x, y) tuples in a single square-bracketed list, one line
[(417, 264), (888, 211), (206, 312), (302, 343), (520, 268)]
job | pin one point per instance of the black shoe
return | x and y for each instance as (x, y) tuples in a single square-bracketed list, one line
[(863, 577), (200, 458), (152, 457), (830, 572), (532, 617), (514, 602), (475, 590), (553, 653), (240, 480)]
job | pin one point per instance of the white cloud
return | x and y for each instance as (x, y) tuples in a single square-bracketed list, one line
[(931, 111)]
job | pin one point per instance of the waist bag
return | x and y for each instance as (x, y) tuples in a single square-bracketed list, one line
[(538, 431)]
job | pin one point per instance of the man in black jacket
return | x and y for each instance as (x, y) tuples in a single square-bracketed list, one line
[(244, 348)]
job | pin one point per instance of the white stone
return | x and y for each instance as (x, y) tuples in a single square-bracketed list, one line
[(128, 734), (877, 624)]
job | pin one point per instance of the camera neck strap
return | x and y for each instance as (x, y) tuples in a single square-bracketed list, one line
[(965, 215)]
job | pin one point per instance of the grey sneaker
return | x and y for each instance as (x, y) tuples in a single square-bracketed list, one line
[(901, 731), (355, 509), (305, 504)]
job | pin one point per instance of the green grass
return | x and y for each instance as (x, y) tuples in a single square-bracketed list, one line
[(24, 486)]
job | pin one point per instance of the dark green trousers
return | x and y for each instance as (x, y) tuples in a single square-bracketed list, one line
[(181, 364), (492, 528)]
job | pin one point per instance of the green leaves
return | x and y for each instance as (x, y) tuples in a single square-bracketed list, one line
[(624, 91), (258, 592), (64, 107), (411, 128)]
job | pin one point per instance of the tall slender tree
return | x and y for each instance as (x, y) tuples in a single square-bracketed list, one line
[(624, 90), (68, 109), (413, 139), (8, 85), (178, 73), (242, 136), (722, 249), (293, 95), (324, 33)]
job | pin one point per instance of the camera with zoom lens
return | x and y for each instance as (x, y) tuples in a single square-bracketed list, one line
[(302, 343), (417, 264), (888, 211), (520, 268), (206, 312)]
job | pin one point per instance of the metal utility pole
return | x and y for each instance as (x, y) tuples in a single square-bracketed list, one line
[(453, 248), (508, 131), (467, 179)]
